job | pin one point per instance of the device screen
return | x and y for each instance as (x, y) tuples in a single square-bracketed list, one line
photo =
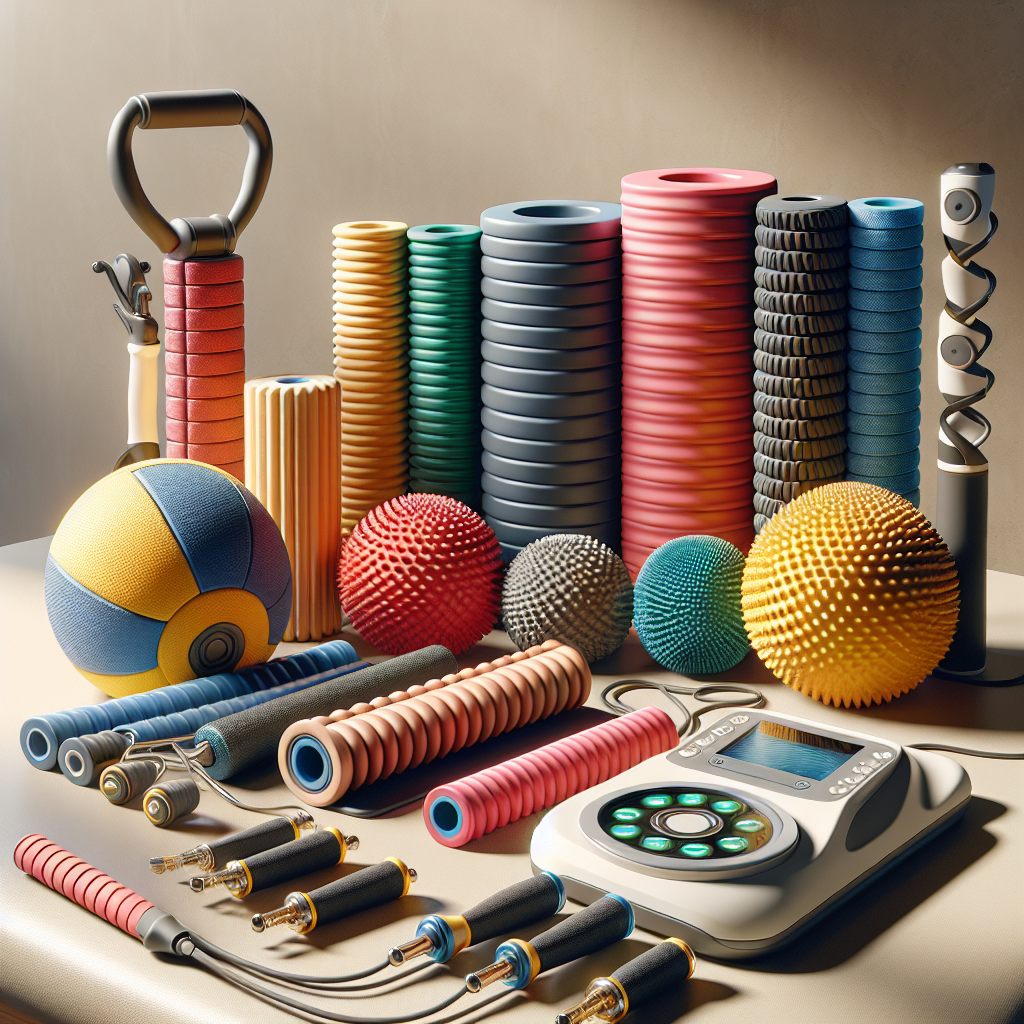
[(790, 750)]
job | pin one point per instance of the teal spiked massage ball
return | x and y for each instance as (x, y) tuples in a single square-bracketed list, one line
[(687, 605)]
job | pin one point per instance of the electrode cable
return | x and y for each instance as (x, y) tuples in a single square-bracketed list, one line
[(610, 696)]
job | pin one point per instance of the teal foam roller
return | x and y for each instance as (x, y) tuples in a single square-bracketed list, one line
[(686, 605), (887, 238), (897, 484), (897, 464), (883, 362), (894, 341), (886, 280), (881, 425), (882, 444), (885, 259), (883, 405), (884, 323), (914, 497), (886, 212), (884, 301), (884, 383), (445, 234)]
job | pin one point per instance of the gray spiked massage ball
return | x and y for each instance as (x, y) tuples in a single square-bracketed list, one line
[(571, 588)]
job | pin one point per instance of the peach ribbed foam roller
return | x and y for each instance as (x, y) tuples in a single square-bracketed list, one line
[(849, 595), (321, 759)]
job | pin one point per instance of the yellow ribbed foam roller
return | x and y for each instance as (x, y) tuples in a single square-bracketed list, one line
[(849, 595)]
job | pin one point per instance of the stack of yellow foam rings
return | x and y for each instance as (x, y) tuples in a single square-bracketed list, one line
[(370, 361), (292, 466)]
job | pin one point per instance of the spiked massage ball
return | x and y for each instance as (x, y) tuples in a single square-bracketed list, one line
[(421, 569), (849, 595), (686, 605), (571, 588)]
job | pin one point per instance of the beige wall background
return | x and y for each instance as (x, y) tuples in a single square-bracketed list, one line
[(433, 110)]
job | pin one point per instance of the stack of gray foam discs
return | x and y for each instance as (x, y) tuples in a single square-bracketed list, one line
[(552, 286), (799, 342), (884, 382)]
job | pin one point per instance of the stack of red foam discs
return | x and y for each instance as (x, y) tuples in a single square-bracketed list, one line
[(204, 338), (687, 355)]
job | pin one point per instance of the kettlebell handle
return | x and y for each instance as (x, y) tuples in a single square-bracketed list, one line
[(196, 236)]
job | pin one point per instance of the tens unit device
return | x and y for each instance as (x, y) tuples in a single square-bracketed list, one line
[(750, 830)]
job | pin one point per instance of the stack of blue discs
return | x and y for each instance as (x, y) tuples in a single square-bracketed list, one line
[(884, 357), (552, 312), (444, 361)]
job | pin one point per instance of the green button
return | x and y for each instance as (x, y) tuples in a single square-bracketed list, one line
[(627, 814), (748, 825), (727, 806), (656, 800), (695, 850), (733, 844), (624, 831), (654, 843), (692, 799)]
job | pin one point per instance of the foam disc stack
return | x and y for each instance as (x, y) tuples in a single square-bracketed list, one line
[(551, 329), (292, 466), (800, 341), (444, 361), (687, 284), (204, 338), (371, 363), (884, 380)]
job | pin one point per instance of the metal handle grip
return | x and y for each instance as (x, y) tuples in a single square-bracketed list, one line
[(196, 109)]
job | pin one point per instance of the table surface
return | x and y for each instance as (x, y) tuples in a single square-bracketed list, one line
[(938, 939)]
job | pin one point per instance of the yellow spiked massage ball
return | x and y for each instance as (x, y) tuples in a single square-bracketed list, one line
[(849, 595), (164, 571)]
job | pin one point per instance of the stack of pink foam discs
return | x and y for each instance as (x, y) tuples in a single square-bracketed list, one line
[(687, 355), (204, 335)]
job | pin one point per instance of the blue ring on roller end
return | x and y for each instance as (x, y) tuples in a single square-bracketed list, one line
[(443, 806), (310, 764)]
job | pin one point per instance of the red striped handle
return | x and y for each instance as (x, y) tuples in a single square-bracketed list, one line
[(87, 886), (462, 811)]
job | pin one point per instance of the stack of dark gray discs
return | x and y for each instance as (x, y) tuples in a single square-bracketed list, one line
[(552, 283), (800, 341)]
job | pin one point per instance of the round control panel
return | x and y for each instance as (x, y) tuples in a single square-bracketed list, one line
[(698, 829)]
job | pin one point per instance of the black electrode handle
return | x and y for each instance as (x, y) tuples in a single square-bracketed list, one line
[(204, 108), (514, 907), (266, 835), (595, 927), (370, 887), (660, 968), (319, 850)]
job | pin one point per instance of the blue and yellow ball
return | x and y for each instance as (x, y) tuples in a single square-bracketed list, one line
[(165, 571)]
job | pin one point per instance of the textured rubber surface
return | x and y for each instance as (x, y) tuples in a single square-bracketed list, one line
[(886, 238), (783, 469), (886, 212), (798, 387), (802, 213), (569, 588), (561, 473), (264, 836), (553, 220), (782, 281), (656, 970), (885, 259), (799, 366), (898, 484), (780, 448), (884, 444), (313, 852), (895, 464), (603, 923), (529, 514), (501, 795), (90, 755), (799, 241), (799, 429), (881, 425), (794, 345), (886, 280), (550, 358), (372, 886), (885, 302), (799, 302), (513, 907), (249, 737), (540, 404), (79, 881), (899, 341), (766, 506), (521, 536), (420, 569), (798, 408), (884, 405), (537, 450), (800, 262), (786, 490), (550, 252), (884, 383), (787, 323), (549, 494), (687, 605), (884, 362)]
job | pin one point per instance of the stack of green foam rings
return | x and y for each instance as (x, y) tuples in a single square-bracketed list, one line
[(444, 361)]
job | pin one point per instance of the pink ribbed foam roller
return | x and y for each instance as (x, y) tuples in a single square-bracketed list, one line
[(421, 569), (458, 813)]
